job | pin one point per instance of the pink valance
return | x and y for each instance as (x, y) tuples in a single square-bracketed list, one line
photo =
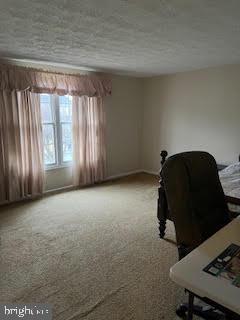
[(39, 81)]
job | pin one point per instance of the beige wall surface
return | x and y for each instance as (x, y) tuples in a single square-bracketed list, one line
[(197, 110), (123, 121), (58, 178)]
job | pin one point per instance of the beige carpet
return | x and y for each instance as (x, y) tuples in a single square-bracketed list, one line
[(93, 254)]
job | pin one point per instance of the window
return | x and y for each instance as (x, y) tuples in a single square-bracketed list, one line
[(57, 129)]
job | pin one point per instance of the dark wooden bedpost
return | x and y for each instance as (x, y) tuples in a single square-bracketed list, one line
[(163, 155), (162, 201)]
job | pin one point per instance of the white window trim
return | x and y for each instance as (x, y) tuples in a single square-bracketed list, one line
[(55, 105), (49, 167)]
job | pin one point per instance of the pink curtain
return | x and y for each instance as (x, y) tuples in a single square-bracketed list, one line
[(89, 153), (21, 160), (21, 146), (41, 81)]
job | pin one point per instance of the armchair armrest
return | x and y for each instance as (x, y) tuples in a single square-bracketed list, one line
[(232, 200)]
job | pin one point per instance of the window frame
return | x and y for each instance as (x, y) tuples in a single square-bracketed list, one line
[(57, 130), (60, 135)]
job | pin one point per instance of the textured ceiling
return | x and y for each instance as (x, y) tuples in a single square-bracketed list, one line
[(141, 37)]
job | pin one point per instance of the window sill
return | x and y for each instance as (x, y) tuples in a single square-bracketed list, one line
[(62, 166)]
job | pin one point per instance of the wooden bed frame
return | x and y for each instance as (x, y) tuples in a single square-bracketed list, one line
[(163, 212)]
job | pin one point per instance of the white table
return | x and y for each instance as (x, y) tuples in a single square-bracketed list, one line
[(189, 274)]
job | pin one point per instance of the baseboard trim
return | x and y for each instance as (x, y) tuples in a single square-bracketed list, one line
[(72, 187), (154, 173), (109, 178), (121, 175), (59, 190), (19, 201)]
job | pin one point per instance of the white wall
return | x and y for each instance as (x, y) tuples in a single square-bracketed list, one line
[(123, 120), (197, 110), (186, 111), (58, 178)]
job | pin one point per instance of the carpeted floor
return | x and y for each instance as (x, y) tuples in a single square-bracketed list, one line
[(93, 254)]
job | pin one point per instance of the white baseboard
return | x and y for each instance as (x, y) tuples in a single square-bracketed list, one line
[(72, 187), (113, 177), (155, 173), (5, 203), (128, 173), (58, 190), (120, 175)]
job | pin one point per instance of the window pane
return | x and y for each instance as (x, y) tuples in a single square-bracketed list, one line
[(49, 144), (46, 109), (65, 103), (66, 142)]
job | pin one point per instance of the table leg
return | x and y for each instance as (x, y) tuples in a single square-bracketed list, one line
[(190, 305)]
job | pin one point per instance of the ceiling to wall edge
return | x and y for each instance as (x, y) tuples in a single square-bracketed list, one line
[(68, 68), (56, 66)]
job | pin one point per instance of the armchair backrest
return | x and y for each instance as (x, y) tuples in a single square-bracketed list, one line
[(195, 198)]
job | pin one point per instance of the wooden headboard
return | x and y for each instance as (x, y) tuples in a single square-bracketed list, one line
[(163, 212), (164, 155)]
